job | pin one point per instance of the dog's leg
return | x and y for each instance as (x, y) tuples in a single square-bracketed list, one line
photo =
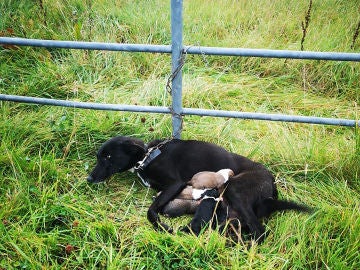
[(159, 203), (203, 217), (247, 214)]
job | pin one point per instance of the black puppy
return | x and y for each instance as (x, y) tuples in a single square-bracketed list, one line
[(206, 213), (167, 165)]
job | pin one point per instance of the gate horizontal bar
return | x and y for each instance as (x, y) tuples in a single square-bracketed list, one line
[(185, 111), (273, 117), (85, 105), (245, 52), (84, 45)]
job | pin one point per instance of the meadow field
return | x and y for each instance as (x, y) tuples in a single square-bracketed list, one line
[(50, 218)]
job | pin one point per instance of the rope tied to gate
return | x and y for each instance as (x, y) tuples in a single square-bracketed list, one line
[(176, 70), (169, 90)]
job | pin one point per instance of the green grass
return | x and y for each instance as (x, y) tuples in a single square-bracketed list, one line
[(52, 219)]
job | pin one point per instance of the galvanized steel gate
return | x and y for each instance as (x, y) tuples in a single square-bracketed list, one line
[(177, 50)]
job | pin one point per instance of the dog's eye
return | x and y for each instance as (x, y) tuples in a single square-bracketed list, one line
[(106, 157)]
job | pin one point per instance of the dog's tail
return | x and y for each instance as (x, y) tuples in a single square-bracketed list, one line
[(269, 206)]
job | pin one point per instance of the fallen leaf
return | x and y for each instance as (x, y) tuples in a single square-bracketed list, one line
[(75, 223), (69, 248)]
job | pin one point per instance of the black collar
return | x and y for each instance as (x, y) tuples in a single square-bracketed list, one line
[(150, 155)]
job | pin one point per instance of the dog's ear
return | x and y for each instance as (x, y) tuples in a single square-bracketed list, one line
[(134, 146), (138, 143), (135, 142)]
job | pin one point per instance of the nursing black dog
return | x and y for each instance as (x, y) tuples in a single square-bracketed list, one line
[(167, 166)]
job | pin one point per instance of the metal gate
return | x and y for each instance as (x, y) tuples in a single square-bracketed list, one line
[(177, 51)]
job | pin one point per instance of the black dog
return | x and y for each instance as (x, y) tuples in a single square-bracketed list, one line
[(167, 165)]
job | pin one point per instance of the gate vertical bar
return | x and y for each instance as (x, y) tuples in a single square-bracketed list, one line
[(176, 55)]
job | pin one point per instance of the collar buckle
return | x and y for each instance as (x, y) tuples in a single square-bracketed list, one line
[(150, 156)]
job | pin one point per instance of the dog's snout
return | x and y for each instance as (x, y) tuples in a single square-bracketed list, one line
[(90, 179)]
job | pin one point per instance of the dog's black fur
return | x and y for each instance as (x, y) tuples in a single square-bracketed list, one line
[(206, 213), (246, 199), (251, 192)]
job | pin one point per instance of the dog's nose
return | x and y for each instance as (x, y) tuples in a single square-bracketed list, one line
[(90, 179)]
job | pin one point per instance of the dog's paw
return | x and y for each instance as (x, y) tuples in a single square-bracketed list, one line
[(185, 229), (165, 228)]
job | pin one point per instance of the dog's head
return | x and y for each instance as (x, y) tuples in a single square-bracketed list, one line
[(118, 154)]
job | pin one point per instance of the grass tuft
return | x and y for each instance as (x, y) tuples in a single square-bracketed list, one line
[(51, 218)]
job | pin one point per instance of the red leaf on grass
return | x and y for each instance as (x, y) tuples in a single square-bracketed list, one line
[(75, 223), (69, 248), (5, 33)]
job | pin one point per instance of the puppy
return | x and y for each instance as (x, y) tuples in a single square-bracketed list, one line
[(205, 214), (208, 180), (179, 207), (183, 204), (211, 180), (187, 201)]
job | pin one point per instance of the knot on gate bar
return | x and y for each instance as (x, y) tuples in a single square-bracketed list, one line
[(176, 70), (179, 116)]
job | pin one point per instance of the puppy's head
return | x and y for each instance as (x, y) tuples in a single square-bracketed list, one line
[(116, 155), (226, 173), (212, 193)]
